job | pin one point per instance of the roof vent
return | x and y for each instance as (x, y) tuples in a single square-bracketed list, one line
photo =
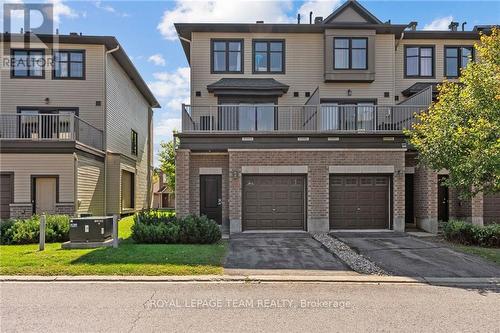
[(318, 19), (453, 26), (413, 25), (73, 34), (259, 22)]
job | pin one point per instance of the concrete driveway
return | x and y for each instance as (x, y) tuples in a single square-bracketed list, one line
[(290, 253), (401, 254)]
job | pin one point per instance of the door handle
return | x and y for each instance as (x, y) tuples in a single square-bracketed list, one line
[(358, 209)]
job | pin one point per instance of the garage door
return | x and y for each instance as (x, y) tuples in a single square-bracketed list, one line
[(273, 202), (491, 208), (6, 195), (359, 202)]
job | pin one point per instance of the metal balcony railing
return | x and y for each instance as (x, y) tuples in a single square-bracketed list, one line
[(328, 118), (49, 127)]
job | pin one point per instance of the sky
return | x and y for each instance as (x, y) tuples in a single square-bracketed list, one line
[(145, 30)]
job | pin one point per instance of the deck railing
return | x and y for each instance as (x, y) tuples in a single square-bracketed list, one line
[(299, 118), (50, 127)]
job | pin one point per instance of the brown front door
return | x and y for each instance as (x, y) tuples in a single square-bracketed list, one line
[(211, 197), (491, 208), (274, 202), (6, 194), (443, 194), (359, 202), (45, 195)]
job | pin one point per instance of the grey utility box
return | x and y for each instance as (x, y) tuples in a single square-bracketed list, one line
[(90, 229)]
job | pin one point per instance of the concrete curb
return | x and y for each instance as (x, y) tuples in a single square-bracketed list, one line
[(259, 278)]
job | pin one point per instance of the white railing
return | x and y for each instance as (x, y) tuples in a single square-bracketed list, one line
[(49, 127), (299, 118)]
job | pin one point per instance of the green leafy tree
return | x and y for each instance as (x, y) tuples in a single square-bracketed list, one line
[(461, 130), (166, 157)]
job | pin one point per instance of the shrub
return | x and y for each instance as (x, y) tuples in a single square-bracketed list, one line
[(470, 234), (155, 216), (166, 229), (28, 231)]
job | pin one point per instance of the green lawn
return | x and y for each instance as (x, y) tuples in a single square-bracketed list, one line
[(492, 254), (128, 259)]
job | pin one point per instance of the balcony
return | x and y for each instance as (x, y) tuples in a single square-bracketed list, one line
[(49, 127), (324, 118)]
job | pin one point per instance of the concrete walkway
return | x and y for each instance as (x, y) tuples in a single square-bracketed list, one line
[(404, 255), (280, 253)]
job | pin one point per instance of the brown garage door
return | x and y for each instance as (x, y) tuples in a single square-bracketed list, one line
[(359, 202), (273, 202), (491, 208), (6, 194)]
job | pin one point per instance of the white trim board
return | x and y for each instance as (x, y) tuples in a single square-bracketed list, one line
[(271, 169), (361, 169)]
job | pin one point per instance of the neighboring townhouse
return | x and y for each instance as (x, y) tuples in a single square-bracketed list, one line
[(75, 127), (300, 126)]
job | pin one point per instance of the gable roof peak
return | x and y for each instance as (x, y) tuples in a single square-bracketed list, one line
[(351, 11)]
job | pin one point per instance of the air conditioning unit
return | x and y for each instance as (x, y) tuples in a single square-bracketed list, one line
[(90, 229)]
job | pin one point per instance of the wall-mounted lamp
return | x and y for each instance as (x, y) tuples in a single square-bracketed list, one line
[(47, 100), (349, 92), (235, 174)]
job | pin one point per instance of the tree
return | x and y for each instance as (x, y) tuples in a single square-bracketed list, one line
[(461, 131), (166, 157)]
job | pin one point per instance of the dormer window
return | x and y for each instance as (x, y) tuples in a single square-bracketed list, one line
[(350, 53)]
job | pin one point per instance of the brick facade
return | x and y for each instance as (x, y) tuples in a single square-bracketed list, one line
[(317, 163), (67, 208), (21, 210), (426, 199)]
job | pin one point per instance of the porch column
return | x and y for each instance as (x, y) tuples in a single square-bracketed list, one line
[(182, 160), (426, 199)]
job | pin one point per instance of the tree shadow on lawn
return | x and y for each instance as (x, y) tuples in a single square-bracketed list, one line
[(159, 254)]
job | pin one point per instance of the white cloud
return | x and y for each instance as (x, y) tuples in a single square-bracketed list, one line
[(157, 59), (164, 127), (62, 10), (110, 9), (223, 11), (441, 23), (318, 7), (172, 88)]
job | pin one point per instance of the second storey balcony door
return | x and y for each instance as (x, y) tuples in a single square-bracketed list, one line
[(347, 116), (247, 117)]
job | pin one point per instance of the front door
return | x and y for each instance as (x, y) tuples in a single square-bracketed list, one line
[(211, 197), (442, 199), (45, 195)]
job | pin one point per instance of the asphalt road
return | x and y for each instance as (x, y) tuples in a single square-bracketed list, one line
[(244, 307)]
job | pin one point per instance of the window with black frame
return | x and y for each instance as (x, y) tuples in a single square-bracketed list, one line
[(419, 61), (269, 56), (350, 53), (456, 58), (134, 143), (69, 64), (27, 63), (227, 56)]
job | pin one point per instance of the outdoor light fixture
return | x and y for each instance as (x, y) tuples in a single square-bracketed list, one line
[(47, 100), (349, 92)]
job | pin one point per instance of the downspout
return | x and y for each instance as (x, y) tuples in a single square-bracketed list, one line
[(105, 141), (394, 67)]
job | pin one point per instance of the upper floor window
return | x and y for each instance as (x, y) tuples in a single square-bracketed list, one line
[(133, 143), (227, 56), (27, 63), (419, 61), (455, 58), (350, 53), (69, 64), (268, 56)]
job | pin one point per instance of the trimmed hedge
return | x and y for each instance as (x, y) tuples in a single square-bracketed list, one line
[(470, 234), (28, 231), (167, 229)]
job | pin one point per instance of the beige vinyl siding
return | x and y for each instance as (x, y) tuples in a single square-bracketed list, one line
[(82, 94), (113, 181), (127, 109), (90, 185), (304, 59), (26, 165), (439, 44)]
